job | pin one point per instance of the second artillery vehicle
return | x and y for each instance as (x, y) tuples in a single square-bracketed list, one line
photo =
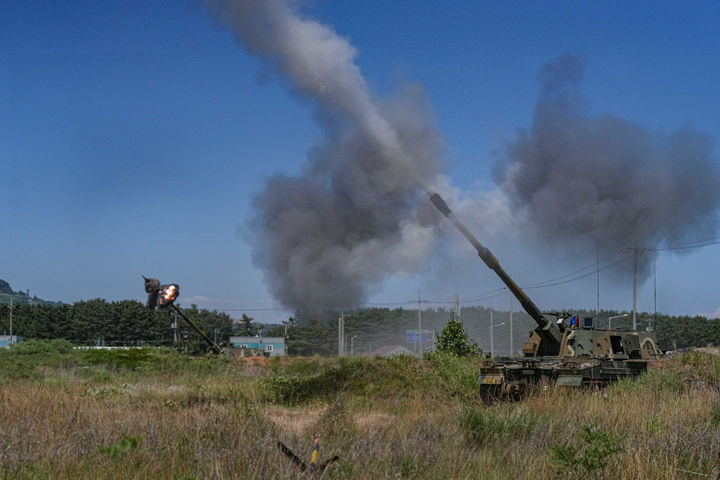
[(557, 353)]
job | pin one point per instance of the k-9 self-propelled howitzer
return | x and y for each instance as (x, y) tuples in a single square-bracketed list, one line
[(557, 352)]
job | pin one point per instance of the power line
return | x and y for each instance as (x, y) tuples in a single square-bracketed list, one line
[(382, 304), (552, 282), (680, 246), (488, 295), (706, 243), (559, 280), (546, 283), (592, 265), (268, 309)]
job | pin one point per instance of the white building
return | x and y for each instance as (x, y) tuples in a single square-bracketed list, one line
[(7, 340), (273, 346)]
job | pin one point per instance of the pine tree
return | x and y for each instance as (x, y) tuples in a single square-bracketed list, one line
[(245, 327), (455, 341)]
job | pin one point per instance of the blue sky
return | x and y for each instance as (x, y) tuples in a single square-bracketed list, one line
[(133, 135)]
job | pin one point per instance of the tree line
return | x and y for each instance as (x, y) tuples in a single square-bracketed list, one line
[(375, 327), (99, 322)]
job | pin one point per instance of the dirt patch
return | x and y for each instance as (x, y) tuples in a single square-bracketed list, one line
[(258, 361)]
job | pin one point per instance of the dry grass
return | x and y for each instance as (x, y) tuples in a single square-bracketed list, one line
[(220, 423), (296, 421)]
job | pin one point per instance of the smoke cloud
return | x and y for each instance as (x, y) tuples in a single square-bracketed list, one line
[(352, 218), (586, 181), (358, 213)]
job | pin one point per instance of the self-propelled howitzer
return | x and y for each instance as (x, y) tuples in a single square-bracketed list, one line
[(557, 352)]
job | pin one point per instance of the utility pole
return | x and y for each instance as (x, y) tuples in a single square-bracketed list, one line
[(420, 334), (457, 307), (597, 270), (492, 345), (654, 291), (341, 335), (11, 305), (175, 328), (635, 268), (511, 325)]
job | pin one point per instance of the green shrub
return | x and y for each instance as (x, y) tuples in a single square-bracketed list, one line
[(153, 360), (655, 424), (297, 388), (453, 340), (398, 376), (482, 426), (129, 359), (95, 374), (169, 361), (106, 391), (300, 367), (409, 466), (379, 376), (33, 346), (22, 360), (695, 359), (705, 365), (458, 376), (598, 446), (14, 367), (658, 381), (715, 414), (125, 445)]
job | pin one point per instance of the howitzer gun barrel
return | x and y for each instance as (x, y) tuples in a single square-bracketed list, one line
[(492, 262)]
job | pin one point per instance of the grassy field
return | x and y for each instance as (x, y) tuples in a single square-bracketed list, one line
[(156, 414)]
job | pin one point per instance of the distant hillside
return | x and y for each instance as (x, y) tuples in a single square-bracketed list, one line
[(5, 288), (19, 297)]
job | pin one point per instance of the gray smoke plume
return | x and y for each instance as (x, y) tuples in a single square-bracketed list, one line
[(600, 181), (351, 218)]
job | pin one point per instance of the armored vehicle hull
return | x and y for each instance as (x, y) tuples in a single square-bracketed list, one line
[(512, 378)]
